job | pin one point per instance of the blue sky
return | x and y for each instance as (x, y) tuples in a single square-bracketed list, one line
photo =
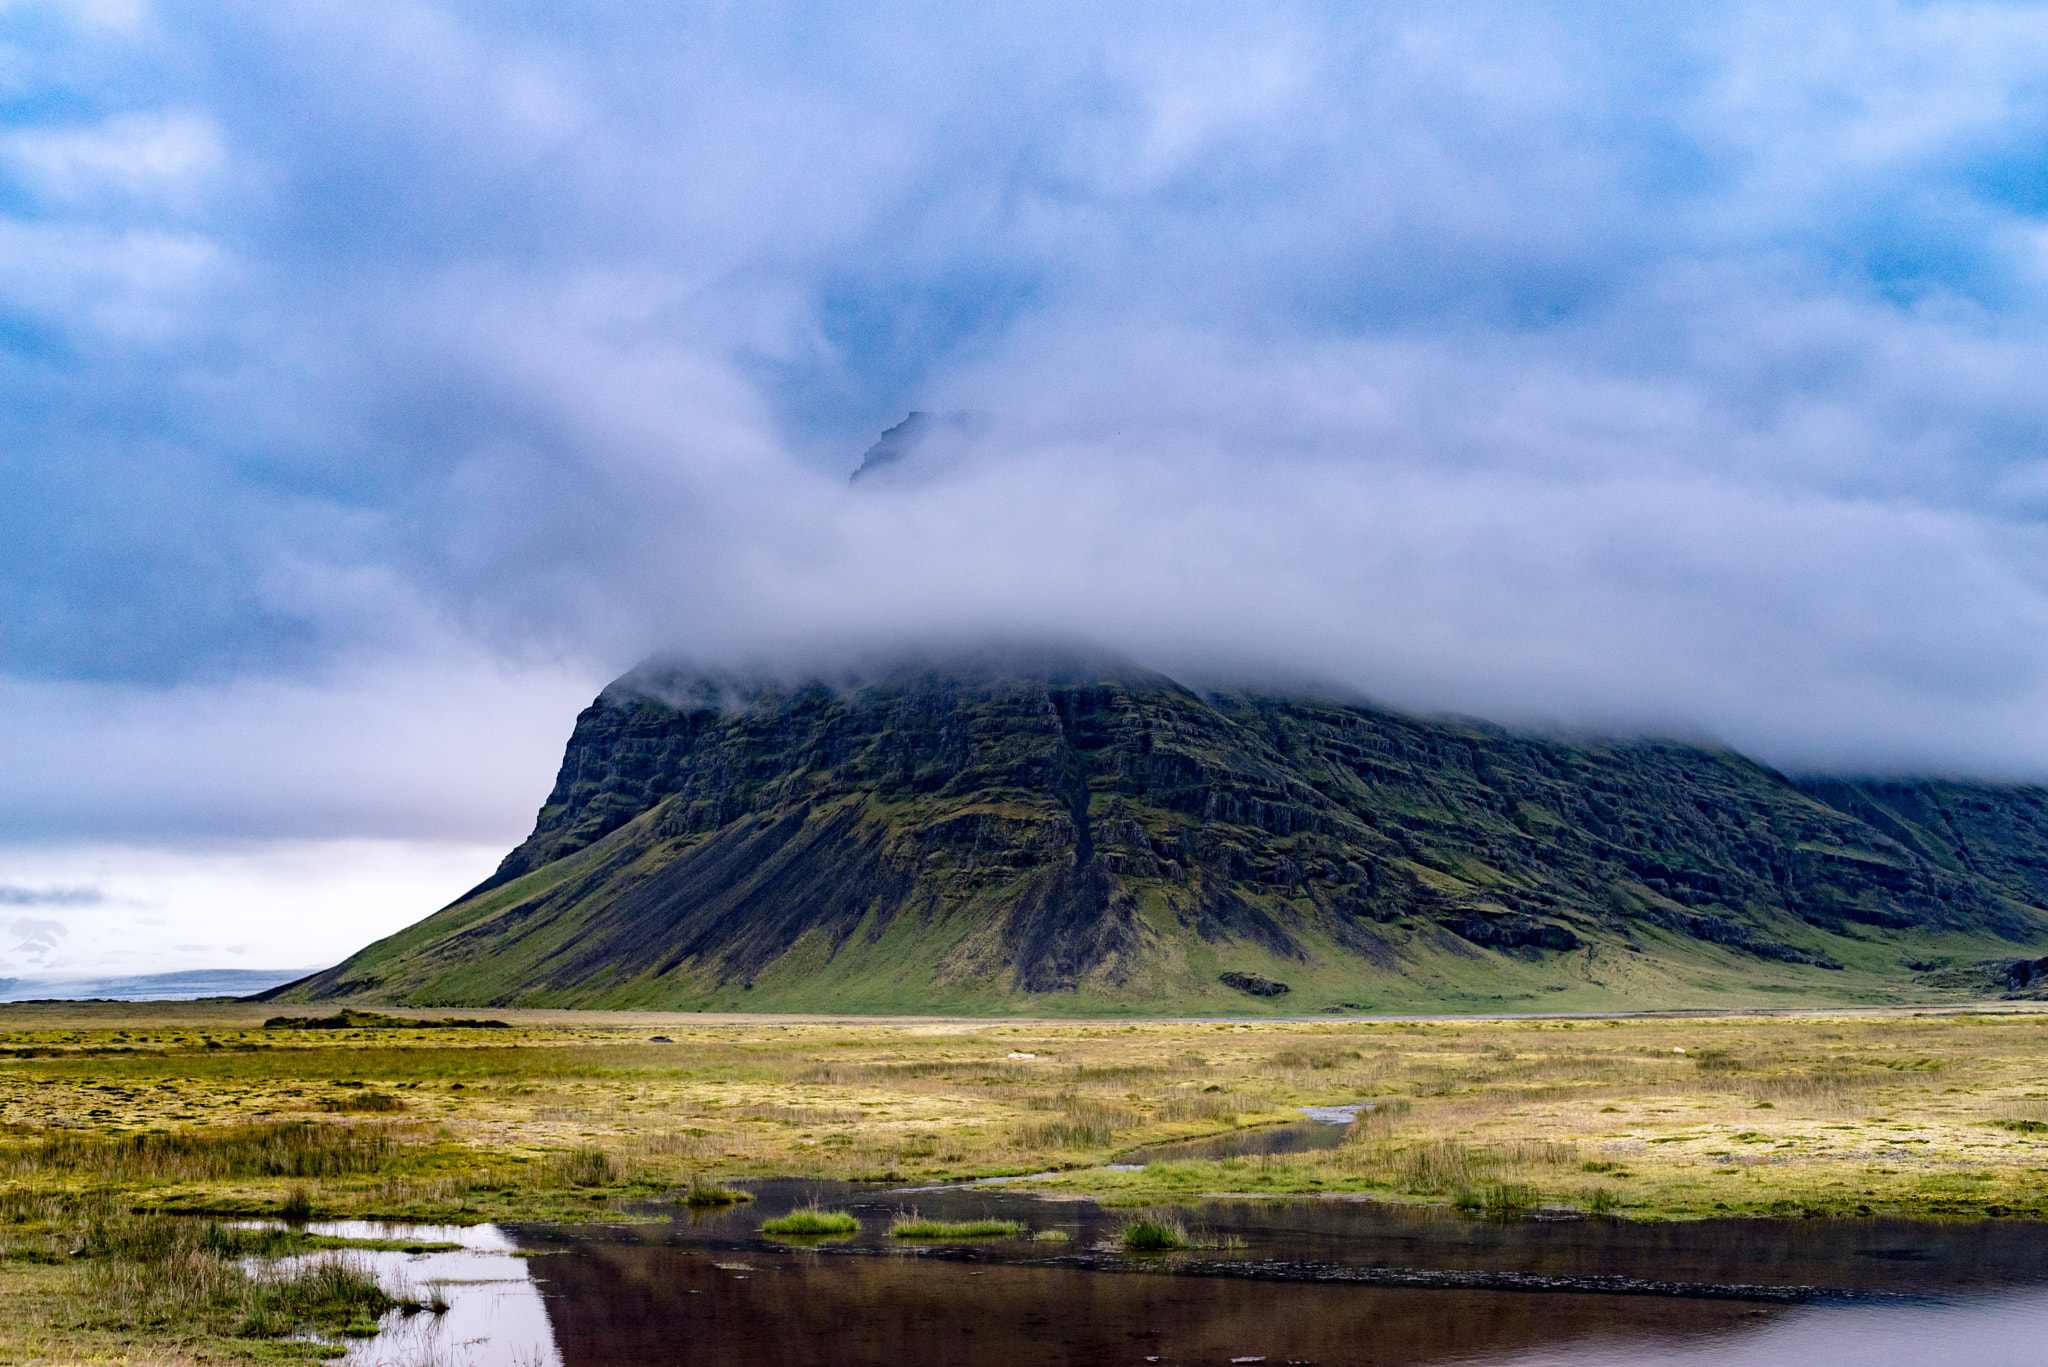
[(378, 379)]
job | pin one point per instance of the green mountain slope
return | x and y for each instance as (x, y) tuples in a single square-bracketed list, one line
[(999, 832)]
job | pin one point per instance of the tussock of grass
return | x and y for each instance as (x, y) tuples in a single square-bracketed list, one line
[(1496, 1198), (810, 1221), (335, 1293), (1204, 1109), (587, 1167), (1154, 1234), (297, 1206), (1086, 1123), (1474, 1176), (703, 1194), (1066, 1135), (912, 1227), (1602, 1200)]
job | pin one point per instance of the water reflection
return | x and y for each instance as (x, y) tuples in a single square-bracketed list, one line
[(1761, 1260), (1325, 1128), (708, 1289), (1313, 1281), (619, 1304), (494, 1318), (1993, 1332)]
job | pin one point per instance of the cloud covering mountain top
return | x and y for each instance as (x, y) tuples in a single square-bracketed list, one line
[(1621, 364)]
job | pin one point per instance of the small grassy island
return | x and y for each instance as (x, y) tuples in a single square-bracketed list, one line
[(911, 1227), (1154, 1234), (114, 1119), (811, 1222)]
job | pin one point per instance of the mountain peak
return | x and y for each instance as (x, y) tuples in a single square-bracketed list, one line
[(894, 449)]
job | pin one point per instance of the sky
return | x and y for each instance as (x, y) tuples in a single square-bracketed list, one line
[(379, 379)]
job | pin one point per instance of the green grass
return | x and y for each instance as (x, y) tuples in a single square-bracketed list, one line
[(335, 1294), (1495, 1198), (586, 1167), (914, 1228), (550, 1119), (297, 1206), (151, 1271), (189, 1107), (810, 1222), (1151, 1233), (703, 1194), (296, 1149)]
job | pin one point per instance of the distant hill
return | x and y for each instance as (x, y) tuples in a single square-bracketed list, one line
[(1048, 832)]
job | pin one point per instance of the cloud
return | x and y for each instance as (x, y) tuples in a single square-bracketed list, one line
[(268, 904), (449, 751), (36, 939), (375, 380), (47, 897), (135, 156)]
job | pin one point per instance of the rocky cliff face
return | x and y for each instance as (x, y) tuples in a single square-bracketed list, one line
[(989, 830)]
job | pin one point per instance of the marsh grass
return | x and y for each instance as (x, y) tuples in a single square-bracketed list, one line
[(290, 1149), (161, 1272), (1600, 1200), (297, 1206), (584, 1167), (1205, 1109), (1496, 1198), (538, 1120), (1086, 1122), (912, 1227), (1475, 1176), (335, 1293), (811, 1222), (703, 1194), (1154, 1233), (1066, 1136)]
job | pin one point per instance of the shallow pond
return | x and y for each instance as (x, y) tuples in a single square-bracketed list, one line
[(495, 1314), (1284, 1281), (1325, 1128)]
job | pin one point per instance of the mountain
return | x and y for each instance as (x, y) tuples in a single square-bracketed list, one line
[(920, 438), (1061, 832)]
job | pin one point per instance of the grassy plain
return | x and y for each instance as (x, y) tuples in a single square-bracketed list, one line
[(108, 1109)]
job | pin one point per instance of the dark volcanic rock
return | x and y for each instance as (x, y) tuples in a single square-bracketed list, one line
[(1253, 983)]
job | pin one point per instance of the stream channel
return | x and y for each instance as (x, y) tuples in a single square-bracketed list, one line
[(1282, 1281)]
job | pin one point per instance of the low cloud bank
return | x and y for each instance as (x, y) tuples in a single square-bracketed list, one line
[(246, 906)]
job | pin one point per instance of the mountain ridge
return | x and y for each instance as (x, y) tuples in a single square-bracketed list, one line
[(1066, 831)]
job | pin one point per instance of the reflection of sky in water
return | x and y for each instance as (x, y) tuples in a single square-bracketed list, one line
[(495, 1317), (1324, 1129), (632, 1294), (2002, 1331)]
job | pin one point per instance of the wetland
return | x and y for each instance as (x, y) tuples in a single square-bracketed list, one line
[(1518, 1184)]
